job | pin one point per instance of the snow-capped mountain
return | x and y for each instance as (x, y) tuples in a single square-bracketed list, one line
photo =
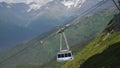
[(33, 10), (73, 3), (67, 3), (35, 17), (37, 4)]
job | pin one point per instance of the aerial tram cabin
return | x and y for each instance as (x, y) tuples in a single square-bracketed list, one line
[(64, 55)]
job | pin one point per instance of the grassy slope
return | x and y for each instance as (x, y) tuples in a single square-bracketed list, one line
[(98, 53)]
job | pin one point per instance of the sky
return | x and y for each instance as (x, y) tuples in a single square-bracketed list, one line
[(28, 1), (25, 1)]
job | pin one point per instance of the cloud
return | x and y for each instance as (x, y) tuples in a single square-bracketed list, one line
[(6, 1), (25, 1)]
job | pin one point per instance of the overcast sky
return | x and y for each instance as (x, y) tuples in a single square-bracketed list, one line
[(26, 1)]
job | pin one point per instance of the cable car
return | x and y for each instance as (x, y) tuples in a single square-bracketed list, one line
[(64, 55)]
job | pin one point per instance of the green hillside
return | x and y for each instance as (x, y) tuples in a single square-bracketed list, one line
[(34, 54), (76, 48), (102, 52)]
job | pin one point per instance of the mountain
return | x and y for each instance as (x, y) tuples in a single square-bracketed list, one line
[(16, 21), (42, 49), (21, 21), (103, 51)]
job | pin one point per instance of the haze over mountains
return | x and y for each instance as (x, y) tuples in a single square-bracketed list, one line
[(20, 21)]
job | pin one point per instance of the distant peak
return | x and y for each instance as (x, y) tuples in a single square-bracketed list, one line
[(34, 6), (72, 3), (37, 4)]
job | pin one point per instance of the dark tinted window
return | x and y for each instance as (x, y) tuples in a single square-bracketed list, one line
[(62, 55), (59, 55), (69, 54), (66, 55)]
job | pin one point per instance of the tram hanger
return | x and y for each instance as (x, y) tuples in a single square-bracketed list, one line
[(66, 54)]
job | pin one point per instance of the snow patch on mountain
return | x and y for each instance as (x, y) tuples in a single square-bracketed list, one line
[(37, 4), (73, 3), (33, 4), (34, 7)]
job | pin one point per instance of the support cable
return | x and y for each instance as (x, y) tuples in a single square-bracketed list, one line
[(60, 41), (116, 5), (64, 35)]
